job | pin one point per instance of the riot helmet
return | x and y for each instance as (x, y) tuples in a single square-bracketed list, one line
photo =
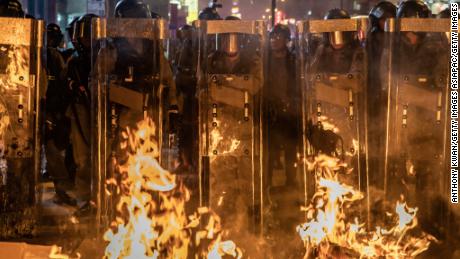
[(380, 13), (70, 29), (155, 15), (132, 9), (185, 32), (229, 41), (54, 35), (280, 36), (413, 9), (338, 39), (210, 12), (82, 33), (444, 14), (11, 8)]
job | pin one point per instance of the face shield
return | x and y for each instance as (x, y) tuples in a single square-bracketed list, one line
[(82, 34), (230, 44), (337, 39)]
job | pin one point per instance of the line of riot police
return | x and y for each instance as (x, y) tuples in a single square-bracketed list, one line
[(249, 107)]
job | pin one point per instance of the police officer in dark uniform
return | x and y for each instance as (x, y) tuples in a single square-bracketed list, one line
[(11, 8), (134, 60), (378, 16), (229, 58), (419, 157), (339, 53), (79, 68), (336, 105), (57, 124), (186, 87), (418, 131), (230, 90), (376, 40), (210, 12), (282, 97)]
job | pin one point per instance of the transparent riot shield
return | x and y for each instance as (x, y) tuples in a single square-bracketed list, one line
[(231, 79), (416, 72), (131, 80), (334, 96), (20, 147)]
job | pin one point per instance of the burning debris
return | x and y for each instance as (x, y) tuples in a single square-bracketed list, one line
[(151, 220), (330, 231)]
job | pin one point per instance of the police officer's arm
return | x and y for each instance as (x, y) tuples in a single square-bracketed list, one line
[(62, 67)]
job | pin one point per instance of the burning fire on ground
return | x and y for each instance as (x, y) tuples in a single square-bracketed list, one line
[(330, 233), (151, 221)]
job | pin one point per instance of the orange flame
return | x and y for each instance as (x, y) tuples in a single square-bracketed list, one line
[(328, 228), (152, 222)]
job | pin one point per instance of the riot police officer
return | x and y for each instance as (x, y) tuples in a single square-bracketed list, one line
[(337, 78), (229, 58), (282, 100), (229, 94), (417, 87), (379, 13), (11, 8), (376, 42), (338, 48), (134, 79), (378, 16), (186, 86), (79, 68), (210, 12), (134, 60), (57, 124), (339, 53), (422, 149)]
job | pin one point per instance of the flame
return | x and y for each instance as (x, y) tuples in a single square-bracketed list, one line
[(56, 253), (328, 228), (151, 221)]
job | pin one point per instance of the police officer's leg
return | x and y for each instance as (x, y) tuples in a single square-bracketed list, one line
[(57, 169), (81, 151), (70, 164)]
